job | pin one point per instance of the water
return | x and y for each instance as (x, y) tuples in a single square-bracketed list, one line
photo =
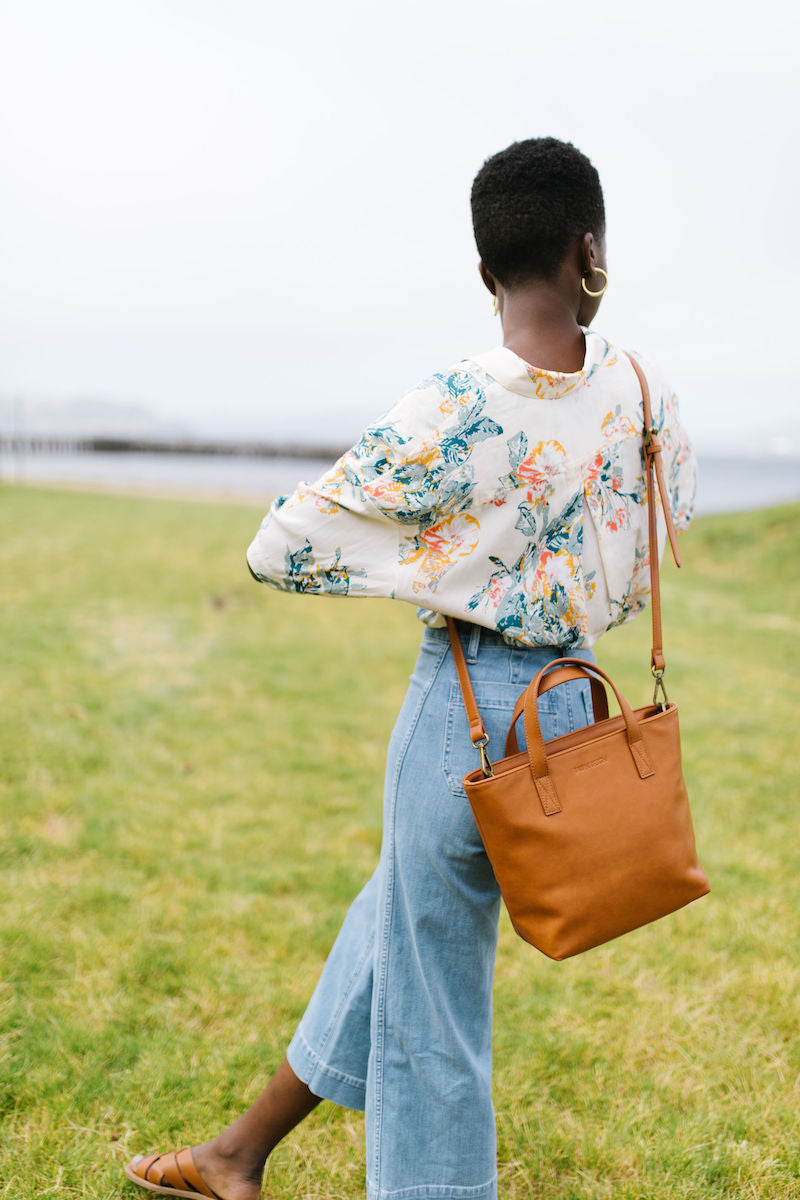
[(216, 474), (724, 484), (738, 484)]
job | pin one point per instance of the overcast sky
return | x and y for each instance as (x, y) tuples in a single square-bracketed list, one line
[(254, 217)]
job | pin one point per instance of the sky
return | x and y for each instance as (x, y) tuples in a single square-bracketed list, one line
[(253, 218)]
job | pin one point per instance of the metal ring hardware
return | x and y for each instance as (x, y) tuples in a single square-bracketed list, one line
[(659, 678), (486, 765)]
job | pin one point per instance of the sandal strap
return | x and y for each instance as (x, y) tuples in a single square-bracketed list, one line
[(170, 1171), (175, 1170), (185, 1164), (144, 1165)]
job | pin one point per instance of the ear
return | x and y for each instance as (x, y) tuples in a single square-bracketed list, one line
[(487, 277), (590, 256)]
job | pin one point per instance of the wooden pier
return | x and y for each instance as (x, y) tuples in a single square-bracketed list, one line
[(57, 444)]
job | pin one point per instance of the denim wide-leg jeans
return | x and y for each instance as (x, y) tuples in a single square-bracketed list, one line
[(400, 1024)]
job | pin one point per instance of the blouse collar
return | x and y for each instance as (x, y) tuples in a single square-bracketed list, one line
[(519, 376)]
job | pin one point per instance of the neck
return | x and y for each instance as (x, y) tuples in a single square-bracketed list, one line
[(541, 326)]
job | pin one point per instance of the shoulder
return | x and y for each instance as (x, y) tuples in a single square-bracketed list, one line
[(437, 401), (655, 374), (462, 383), (614, 365)]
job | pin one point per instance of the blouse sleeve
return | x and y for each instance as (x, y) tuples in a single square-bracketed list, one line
[(680, 465), (351, 530), (678, 456)]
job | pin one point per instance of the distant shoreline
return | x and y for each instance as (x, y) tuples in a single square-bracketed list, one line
[(64, 444), (327, 452)]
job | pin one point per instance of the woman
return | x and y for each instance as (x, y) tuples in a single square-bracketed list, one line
[(511, 496)]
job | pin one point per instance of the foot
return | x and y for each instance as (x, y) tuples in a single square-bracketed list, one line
[(231, 1166), (203, 1171)]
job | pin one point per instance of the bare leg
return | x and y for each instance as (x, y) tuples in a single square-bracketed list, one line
[(233, 1162)]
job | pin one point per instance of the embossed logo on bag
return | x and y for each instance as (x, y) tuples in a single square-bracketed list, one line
[(594, 762)]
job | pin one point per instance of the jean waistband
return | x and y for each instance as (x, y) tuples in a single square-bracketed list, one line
[(473, 636)]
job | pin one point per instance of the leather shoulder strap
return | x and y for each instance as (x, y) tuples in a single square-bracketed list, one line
[(652, 448), (652, 455), (477, 729)]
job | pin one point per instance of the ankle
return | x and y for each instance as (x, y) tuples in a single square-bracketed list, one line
[(230, 1147)]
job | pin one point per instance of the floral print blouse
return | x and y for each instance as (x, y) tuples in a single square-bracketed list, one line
[(496, 492)]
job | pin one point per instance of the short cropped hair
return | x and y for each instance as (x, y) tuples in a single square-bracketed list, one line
[(530, 202)]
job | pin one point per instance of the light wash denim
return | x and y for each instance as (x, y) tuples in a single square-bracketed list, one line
[(400, 1024)]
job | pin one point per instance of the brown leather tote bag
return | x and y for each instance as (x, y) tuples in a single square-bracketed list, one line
[(589, 834)]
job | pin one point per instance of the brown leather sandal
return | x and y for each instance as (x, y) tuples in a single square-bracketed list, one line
[(171, 1174)]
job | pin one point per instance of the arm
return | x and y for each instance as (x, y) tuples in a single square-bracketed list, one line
[(369, 523)]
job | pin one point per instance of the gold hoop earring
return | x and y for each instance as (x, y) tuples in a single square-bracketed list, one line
[(495, 309), (594, 295)]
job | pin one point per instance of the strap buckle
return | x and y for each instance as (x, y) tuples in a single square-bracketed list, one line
[(658, 675), (486, 765), (651, 442)]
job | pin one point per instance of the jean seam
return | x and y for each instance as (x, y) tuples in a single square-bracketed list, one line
[(383, 959)]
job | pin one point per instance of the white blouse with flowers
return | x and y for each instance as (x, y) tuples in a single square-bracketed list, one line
[(495, 492)]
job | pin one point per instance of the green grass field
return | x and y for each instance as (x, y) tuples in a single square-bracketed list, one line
[(191, 782)]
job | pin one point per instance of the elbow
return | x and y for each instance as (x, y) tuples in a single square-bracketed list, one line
[(264, 562)]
